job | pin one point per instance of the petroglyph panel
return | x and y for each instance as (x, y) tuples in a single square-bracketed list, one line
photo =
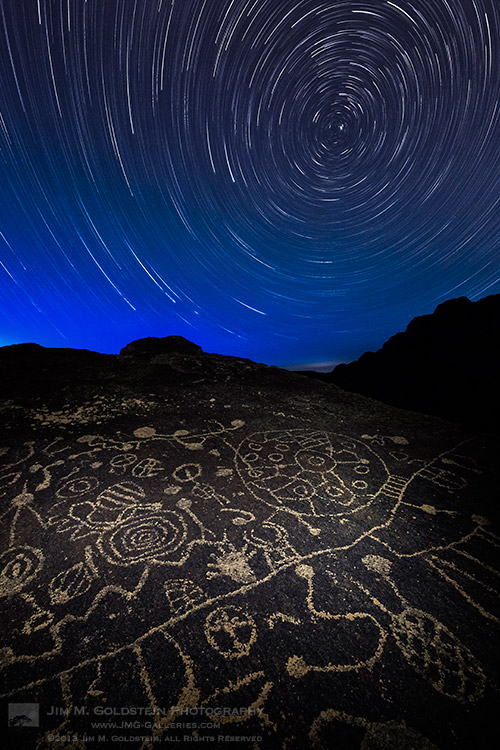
[(250, 561)]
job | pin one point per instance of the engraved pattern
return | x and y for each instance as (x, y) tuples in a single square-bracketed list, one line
[(256, 563)]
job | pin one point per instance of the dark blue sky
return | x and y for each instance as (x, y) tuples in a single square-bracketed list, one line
[(286, 180)]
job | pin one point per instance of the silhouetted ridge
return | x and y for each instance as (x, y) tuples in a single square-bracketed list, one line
[(447, 364), (30, 370), (152, 346)]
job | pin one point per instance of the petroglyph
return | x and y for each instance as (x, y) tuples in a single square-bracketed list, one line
[(197, 546)]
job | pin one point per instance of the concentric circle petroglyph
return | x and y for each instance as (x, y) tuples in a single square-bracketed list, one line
[(18, 567), (153, 538)]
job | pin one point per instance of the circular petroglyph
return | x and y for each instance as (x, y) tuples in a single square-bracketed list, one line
[(155, 538), (310, 473), (123, 460), (123, 494), (230, 631), (187, 472), (18, 567), (77, 487)]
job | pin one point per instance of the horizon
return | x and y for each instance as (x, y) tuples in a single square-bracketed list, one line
[(320, 366), (294, 367)]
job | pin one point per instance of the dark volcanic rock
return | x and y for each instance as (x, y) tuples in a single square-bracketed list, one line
[(447, 364), (151, 347), (190, 530), (29, 369)]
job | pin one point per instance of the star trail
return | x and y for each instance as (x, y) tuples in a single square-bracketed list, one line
[(289, 181)]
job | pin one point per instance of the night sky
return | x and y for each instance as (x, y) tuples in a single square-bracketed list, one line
[(286, 180)]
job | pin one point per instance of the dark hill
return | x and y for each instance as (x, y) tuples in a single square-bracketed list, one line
[(447, 364), (29, 369)]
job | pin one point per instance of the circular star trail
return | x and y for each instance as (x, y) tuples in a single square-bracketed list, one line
[(290, 181)]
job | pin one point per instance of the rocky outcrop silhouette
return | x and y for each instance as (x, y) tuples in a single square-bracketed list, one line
[(152, 346), (30, 369), (447, 364)]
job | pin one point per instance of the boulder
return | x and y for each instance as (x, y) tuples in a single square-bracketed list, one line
[(152, 346)]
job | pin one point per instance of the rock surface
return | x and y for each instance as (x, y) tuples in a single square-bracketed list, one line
[(184, 532)]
